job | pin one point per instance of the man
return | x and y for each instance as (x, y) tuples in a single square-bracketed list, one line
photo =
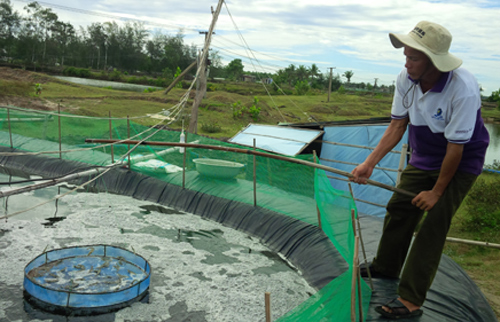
[(442, 105)]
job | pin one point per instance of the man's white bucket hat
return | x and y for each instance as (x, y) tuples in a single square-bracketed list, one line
[(433, 40)]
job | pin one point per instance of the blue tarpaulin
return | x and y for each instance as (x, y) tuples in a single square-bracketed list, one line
[(335, 154)]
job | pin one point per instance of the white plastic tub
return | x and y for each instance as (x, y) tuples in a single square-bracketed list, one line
[(216, 168)]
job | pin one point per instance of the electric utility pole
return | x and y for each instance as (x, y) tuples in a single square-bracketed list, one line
[(330, 84), (193, 121)]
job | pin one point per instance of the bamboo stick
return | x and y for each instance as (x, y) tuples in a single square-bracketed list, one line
[(128, 137), (362, 244), (254, 175), (49, 183), (179, 78), (315, 157), (10, 129), (402, 163), (257, 153), (268, 306), (354, 279), (111, 138), (472, 242), (184, 157), (60, 135)]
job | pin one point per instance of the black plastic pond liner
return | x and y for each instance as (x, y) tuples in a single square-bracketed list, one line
[(452, 297)]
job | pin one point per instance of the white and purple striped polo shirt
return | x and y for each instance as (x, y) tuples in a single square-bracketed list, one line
[(449, 112)]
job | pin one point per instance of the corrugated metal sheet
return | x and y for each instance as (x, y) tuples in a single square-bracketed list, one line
[(278, 139)]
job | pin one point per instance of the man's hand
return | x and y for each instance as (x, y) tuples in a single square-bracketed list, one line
[(361, 173), (425, 200)]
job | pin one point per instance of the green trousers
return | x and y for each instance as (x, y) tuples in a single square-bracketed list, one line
[(402, 218)]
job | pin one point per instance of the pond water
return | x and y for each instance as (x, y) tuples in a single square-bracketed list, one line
[(201, 271), (493, 152), (101, 83)]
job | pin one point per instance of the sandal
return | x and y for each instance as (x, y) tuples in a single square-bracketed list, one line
[(398, 311)]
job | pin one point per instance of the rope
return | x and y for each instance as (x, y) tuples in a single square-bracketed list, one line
[(108, 168)]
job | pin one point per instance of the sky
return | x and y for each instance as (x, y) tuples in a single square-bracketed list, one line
[(347, 35)]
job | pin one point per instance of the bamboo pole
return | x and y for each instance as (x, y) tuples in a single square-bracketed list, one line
[(472, 242), (128, 137), (184, 165), (362, 243), (49, 183), (360, 293), (111, 138), (354, 279), (402, 160), (257, 153), (268, 306), (10, 129), (179, 78), (59, 122), (254, 175), (315, 158)]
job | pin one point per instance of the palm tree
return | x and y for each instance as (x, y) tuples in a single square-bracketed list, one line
[(348, 74), (314, 71)]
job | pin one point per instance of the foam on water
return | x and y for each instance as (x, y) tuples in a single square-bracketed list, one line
[(201, 270)]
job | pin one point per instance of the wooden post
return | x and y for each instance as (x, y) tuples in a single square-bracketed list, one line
[(193, 121), (361, 240), (315, 157), (59, 121), (184, 165), (402, 159), (330, 84), (128, 146), (268, 307), (10, 130), (254, 175), (111, 138), (355, 270)]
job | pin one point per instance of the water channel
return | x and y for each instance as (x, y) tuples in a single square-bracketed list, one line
[(109, 84)]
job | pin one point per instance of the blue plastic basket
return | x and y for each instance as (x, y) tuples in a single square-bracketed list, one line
[(85, 280)]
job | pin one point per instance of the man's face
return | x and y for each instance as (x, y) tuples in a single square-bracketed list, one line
[(417, 63)]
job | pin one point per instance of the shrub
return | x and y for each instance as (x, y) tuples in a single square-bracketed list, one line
[(483, 207), (254, 110), (302, 87), (341, 90), (115, 75), (211, 128), (237, 109)]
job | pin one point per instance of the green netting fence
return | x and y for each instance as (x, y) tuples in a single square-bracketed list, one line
[(295, 190)]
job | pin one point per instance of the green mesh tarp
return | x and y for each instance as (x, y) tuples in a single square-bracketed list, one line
[(295, 190)]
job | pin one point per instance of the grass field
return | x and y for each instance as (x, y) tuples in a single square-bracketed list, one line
[(219, 118)]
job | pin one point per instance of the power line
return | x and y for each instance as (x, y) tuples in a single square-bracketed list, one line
[(107, 15)]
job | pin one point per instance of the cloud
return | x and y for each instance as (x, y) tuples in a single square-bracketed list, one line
[(352, 34)]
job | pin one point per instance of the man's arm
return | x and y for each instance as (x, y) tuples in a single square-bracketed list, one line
[(391, 137), (425, 200)]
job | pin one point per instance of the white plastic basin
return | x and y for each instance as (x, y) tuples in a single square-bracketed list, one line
[(216, 168)]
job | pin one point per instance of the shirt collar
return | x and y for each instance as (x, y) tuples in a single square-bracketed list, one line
[(441, 83)]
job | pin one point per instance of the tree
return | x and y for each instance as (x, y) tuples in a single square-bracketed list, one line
[(302, 73), (314, 71), (41, 22), (9, 25), (348, 74), (64, 34), (235, 69)]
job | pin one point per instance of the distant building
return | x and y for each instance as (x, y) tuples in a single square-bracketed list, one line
[(267, 81), (248, 78)]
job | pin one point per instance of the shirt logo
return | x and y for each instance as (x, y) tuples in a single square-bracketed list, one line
[(439, 115)]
